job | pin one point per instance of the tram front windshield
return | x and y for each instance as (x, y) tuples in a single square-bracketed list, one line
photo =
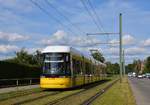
[(56, 64)]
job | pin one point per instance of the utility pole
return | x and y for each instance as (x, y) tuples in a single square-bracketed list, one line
[(120, 45), (124, 63)]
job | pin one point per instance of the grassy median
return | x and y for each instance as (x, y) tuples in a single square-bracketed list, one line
[(118, 94)]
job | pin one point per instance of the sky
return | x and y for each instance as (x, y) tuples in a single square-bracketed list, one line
[(24, 25)]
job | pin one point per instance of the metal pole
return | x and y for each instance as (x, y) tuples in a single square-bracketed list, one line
[(124, 63), (120, 47)]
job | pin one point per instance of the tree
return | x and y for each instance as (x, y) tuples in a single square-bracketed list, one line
[(98, 56), (23, 57), (137, 66), (134, 67), (112, 68), (130, 68), (147, 65), (37, 57)]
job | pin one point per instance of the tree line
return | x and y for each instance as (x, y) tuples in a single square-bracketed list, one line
[(139, 66), (23, 65), (111, 68), (24, 58)]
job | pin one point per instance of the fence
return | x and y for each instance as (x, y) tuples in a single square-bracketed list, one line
[(18, 82)]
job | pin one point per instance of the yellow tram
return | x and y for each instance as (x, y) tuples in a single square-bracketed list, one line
[(65, 67)]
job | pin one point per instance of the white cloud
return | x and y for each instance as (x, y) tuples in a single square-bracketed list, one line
[(128, 51), (12, 37), (112, 51), (57, 37), (61, 37), (146, 42), (135, 50), (2, 57), (33, 50), (8, 48), (127, 40), (114, 42)]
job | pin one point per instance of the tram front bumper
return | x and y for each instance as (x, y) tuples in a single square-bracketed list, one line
[(55, 83)]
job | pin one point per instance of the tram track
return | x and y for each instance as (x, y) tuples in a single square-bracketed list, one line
[(102, 91), (52, 99), (30, 100), (58, 101), (63, 98), (59, 97), (19, 94)]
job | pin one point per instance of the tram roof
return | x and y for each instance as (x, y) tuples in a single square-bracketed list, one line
[(58, 49), (67, 49)]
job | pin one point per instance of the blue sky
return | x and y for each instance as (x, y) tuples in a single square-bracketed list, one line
[(24, 25)]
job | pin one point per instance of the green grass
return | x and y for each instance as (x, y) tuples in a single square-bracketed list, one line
[(74, 100), (80, 98), (4, 96), (14, 97), (119, 94)]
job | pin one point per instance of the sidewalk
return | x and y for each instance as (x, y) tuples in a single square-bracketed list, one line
[(19, 88)]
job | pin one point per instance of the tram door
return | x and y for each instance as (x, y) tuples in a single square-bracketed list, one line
[(78, 77)]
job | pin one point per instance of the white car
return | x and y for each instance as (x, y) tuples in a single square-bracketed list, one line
[(140, 76)]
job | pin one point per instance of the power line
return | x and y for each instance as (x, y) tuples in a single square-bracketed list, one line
[(96, 15), (74, 25), (92, 17), (90, 14), (98, 18), (50, 15), (96, 44)]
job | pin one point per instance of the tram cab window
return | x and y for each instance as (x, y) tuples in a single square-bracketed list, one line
[(56, 64)]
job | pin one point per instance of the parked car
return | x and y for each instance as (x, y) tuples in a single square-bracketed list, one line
[(139, 76), (147, 75), (132, 74), (144, 75), (129, 74)]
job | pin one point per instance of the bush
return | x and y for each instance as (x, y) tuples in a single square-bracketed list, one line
[(10, 70)]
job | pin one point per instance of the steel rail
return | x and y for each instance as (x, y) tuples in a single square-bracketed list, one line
[(94, 97), (22, 94), (30, 100), (89, 86)]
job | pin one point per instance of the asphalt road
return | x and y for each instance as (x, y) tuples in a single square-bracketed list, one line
[(141, 90)]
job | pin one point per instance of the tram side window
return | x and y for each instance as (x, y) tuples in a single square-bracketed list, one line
[(93, 69), (76, 66), (73, 65), (81, 67), (87, 68)]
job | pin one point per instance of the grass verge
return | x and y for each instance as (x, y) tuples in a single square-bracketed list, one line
[(5, 96), (119, 94)]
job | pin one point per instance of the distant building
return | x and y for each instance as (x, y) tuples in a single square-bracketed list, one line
[(142, 66)]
